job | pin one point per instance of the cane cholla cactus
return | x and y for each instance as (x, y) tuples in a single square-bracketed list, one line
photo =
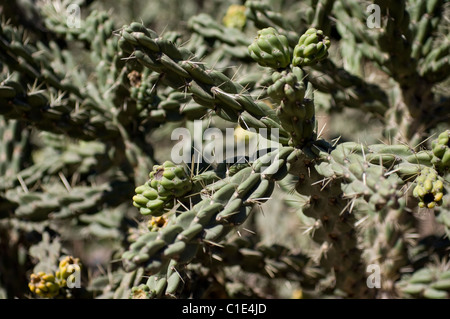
[(89, 117)]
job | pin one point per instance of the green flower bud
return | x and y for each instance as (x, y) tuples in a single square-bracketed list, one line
[(312, 47), (170, 180), (270, 49), (167, 182)]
